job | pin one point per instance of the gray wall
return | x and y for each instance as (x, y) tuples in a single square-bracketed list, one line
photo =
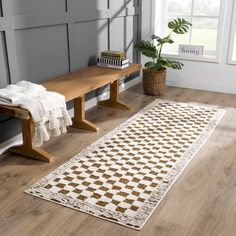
[(42, 39)]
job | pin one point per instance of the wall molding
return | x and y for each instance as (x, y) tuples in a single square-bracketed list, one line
[(2, 24), (11, 51), (12, 21), (40, 20)]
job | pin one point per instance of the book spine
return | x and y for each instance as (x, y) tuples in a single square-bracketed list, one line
[(112, 61), (113, 66), (122, 56), (115, 53)]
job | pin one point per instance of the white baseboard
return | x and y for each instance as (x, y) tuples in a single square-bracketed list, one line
[(89, 104), (202, 86)]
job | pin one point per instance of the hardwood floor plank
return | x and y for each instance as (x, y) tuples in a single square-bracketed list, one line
[(201, 202)]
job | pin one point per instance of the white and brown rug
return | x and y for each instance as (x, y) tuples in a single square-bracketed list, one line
[(123, 176)]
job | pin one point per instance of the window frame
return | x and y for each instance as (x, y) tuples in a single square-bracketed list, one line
[(205, 58), (232, 41)]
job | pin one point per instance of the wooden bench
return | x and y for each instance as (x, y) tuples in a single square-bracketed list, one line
[(73, 86)]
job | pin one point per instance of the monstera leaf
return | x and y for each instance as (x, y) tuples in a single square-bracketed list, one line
[(146, 48), (164, 63), (162, 41), (173, 64), (149, 64), (179, 26), (155, 66)]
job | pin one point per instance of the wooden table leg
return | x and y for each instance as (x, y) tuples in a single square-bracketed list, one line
[(27, 149), (79, 120), (114, 101)]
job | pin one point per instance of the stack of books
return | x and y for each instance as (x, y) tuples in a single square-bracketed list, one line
[(113, 59)]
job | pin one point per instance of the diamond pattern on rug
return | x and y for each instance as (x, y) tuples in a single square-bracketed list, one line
[(122, 175)]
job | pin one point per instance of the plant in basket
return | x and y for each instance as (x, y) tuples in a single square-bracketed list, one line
[(154, 74)]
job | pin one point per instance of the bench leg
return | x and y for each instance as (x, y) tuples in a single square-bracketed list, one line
[(79, 120), (114, 101), (27, 149)]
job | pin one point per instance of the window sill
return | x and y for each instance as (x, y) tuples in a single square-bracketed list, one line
[(232, 62), (210, 59)]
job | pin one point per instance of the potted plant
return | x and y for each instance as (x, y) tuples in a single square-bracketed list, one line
[(154, 74)]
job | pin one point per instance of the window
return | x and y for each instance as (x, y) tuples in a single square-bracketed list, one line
[(205, 16), (232, 48)]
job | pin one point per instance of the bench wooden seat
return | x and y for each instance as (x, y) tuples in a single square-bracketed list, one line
[(73, 86)]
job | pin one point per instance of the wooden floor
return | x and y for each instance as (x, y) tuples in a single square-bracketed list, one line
[(201, 202)]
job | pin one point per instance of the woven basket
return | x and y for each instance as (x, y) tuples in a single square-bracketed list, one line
[(154, 82)]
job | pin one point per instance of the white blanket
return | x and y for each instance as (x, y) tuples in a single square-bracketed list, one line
[(48, 109), (12, 93)]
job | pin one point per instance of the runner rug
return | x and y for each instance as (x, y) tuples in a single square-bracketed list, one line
[(123, 176)]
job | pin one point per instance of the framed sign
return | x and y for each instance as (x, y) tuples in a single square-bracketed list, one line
[(191, 50)]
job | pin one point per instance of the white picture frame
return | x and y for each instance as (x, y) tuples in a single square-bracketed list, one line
[(191, 50)]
